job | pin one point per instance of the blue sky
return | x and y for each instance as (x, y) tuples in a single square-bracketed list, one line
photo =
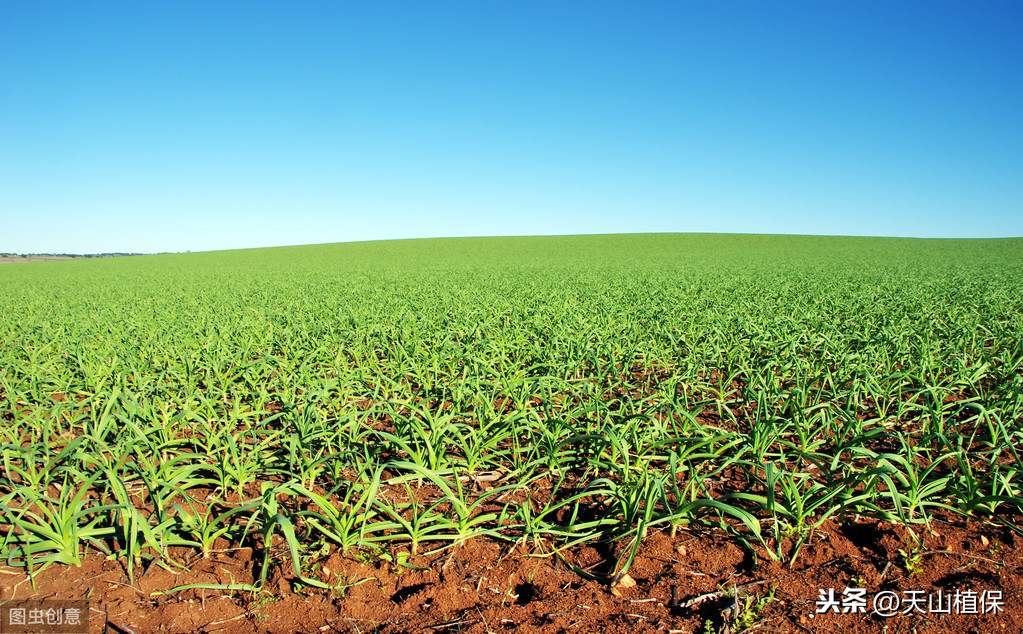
[(172, 126)]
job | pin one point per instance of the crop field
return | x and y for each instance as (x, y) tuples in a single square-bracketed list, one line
[(617, 433)]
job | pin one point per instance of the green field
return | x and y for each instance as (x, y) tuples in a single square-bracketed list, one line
[(393, 398)]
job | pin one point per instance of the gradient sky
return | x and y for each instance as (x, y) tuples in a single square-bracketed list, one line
[(172, 126)]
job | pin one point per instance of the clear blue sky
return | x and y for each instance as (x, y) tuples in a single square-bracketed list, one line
[(171, 126)]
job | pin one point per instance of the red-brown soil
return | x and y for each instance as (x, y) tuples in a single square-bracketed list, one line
[(489, 586)]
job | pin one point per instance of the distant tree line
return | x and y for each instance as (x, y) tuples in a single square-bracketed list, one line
[(67, 255)]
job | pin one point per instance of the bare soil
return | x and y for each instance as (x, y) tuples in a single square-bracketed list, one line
[(13, 259), (682, 582)]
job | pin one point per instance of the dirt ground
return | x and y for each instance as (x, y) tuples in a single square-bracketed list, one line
[(13, 259), (699, 580)]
